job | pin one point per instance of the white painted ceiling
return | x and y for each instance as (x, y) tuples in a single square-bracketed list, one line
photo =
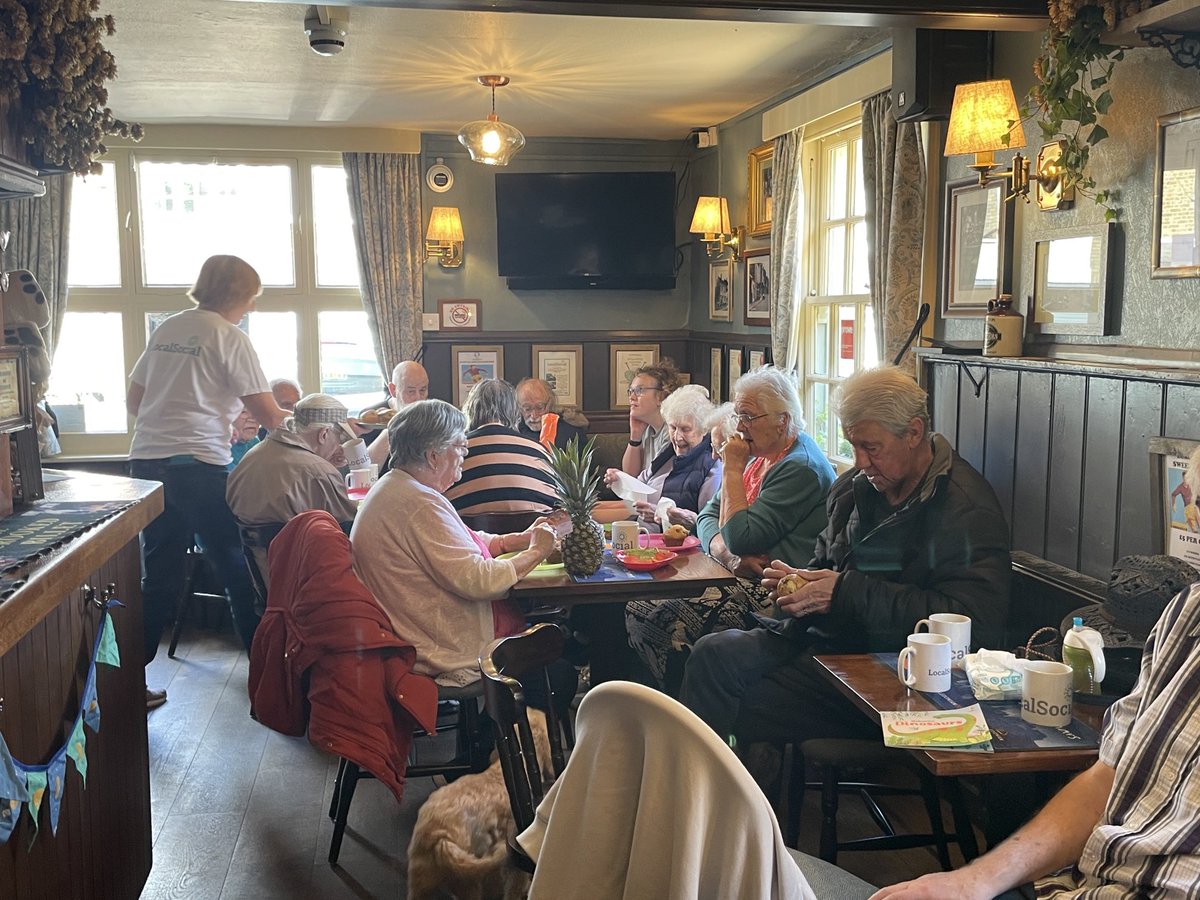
[(196, 61)]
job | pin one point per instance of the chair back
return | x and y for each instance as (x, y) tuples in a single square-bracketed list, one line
[(505, 664), (501, 522)]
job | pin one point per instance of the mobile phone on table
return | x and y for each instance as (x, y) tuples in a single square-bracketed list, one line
[(560, 521)]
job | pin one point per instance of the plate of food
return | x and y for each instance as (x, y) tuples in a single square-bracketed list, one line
[(552, 566), (689, 542), (645, 560), (376, 417)]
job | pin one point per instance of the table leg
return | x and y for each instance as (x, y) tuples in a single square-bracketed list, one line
[(964, 830)]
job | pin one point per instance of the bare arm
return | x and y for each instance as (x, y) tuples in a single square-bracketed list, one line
[(265, 410), (134, 397), (380, 448), (1052, 840), (534, 546)]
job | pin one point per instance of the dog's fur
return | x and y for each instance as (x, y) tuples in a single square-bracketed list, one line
[(459, 846)]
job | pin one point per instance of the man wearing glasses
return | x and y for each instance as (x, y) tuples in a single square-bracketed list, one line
[(540, 421)]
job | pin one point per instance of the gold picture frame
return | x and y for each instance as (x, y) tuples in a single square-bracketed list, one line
[(758, 180), (472, 364), (561, 366), (623, 361)]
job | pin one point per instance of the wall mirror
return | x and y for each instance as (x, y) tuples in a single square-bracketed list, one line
[(1176, 245), (978, 247), (1072, 281)]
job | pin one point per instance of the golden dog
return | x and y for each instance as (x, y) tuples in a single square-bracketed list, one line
[(459, 846)]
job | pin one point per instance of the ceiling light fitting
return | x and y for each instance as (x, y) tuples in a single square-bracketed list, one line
[(490, 141), (711, 222), (444, 237)]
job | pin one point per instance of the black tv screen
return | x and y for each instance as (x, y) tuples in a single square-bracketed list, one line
[(571, 231)]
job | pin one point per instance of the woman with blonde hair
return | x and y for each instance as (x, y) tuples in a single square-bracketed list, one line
[(648, 435)]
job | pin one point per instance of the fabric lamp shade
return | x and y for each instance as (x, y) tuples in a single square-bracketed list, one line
[(711, 216), (984, 119), (445, 224)]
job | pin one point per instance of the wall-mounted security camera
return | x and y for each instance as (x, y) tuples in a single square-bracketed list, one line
[(327, 27)]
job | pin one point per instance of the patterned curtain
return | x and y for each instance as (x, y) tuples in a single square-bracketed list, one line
[(787, 191), (894, 179), (385, 198), (40, 228)]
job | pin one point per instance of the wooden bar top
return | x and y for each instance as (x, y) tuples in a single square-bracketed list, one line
[(42, 583), (688, 575)]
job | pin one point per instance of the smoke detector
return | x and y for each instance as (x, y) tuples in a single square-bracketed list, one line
[(327, 27)]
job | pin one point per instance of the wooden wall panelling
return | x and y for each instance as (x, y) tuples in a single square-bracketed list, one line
[(1143, 420), (1101, 476), (1000, 443), (596, 364), (1032, 462), (1183, 411), (1065, 478), (944, 406), (972, 414)]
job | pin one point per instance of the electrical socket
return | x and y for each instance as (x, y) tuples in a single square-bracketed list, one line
[(429, 321)]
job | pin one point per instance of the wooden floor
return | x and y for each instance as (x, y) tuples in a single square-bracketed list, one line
[(240, 812)]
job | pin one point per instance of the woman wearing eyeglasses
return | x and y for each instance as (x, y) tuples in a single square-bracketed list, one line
[(771, 506), (648, 432)]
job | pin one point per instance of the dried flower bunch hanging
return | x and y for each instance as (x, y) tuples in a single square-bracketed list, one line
[(53, 67)]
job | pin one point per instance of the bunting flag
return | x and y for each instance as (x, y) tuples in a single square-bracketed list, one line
[(28, 786)]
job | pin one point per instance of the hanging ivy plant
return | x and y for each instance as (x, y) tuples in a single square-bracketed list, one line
[(53, 67)]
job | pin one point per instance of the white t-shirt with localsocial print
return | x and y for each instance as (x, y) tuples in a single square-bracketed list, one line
[(196, 368)]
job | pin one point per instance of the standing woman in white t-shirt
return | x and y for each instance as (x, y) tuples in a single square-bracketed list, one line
[(198, 371)]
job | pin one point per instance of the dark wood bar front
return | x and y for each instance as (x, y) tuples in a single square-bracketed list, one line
[(48, 627)]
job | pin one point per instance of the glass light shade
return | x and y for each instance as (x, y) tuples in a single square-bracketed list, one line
[(490, 141), (980, 117), (444, 224), (711, 217)]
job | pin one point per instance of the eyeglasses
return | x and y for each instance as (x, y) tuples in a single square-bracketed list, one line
[(530, 408), (638, 391), (743, 420)]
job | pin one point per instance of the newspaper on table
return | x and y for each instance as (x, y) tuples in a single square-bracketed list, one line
[(938, 729)]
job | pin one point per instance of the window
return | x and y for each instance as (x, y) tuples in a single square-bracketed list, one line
[(839, 323), (140, 231)]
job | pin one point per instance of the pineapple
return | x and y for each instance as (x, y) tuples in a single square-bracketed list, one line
[(578, 485)]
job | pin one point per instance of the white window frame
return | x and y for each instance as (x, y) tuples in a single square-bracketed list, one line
[(134, 300)]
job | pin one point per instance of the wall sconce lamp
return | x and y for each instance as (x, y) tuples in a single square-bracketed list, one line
[(711, 221), (444, 237), (984, 119)]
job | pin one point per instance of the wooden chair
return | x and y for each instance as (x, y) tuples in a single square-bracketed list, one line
[(505, 663)]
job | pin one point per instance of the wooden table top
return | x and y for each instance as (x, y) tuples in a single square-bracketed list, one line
[(872, 687), (688, 575)]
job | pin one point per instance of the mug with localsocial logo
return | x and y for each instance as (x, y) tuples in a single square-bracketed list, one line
[(953, 626), (625, 535), (359, 480), (356, 454), (925, 663), (1046, 693)]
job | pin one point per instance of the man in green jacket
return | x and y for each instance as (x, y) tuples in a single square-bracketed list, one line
[(913, 529)]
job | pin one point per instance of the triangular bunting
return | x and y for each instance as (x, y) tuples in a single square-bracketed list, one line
[(107, 652), (12, 782), (10, 811), (77, 749), (91, 703), (37, 790), (56, 781)]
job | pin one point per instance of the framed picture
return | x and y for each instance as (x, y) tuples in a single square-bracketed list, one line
[(1173, 499), (735, 367), (1072, 281), (757, 359), (472, 365), (758, 288), (977, 264), (714, 374), (720, 290), (758, 179), (16, 401), (458, 315), (624, 360), (561, 366), (1175, 246)]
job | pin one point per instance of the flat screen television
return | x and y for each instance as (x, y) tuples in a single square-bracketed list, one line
[(586, 230)]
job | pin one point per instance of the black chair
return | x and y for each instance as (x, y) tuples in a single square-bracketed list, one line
[(505, 663), (458, 707), (197, 577), (258, 537), (836, 761)]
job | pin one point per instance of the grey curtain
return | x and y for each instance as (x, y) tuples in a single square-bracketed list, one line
[(894, 179), (385, 198), (787, 229), (40, 229)]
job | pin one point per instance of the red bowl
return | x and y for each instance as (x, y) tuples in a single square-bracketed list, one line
[(634, 564)]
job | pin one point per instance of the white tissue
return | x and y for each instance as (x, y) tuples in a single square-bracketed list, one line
[(630, 489), (994, 674), (662, 512)]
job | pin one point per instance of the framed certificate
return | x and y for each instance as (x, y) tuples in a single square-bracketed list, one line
[(561, 366)]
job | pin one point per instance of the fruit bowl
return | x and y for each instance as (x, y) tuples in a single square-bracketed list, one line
[(644, 560)]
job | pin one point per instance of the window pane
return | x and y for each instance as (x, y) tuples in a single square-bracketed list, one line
[(94, 258), (835, 262), (860, 276), (860, 197), (273, 335), (154, 319), (846, 340), (819, 398), (348, 367), (838, 185), (333, 229), (820, 341), (869, 349), (190, 211), (87, 388), (842, 448)]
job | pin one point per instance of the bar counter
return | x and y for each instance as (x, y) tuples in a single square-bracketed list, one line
[(50, 615)]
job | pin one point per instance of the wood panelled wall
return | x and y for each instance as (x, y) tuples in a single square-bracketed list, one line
[(1065, 445)]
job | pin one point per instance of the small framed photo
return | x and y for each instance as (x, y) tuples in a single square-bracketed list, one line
[(1073, 280), (720, 290), (735, 367), (714, 374), (1173, 499), (624, 361), (757, 359), (761, 166), (561, 366), (458, 315), (758, 288), (16, 401), (473, 365), (978, 247)]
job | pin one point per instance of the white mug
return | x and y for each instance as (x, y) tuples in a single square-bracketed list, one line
[(625, 535), (356, 454), (1046, 693), (955, 627), (925, 663), (359, 480)]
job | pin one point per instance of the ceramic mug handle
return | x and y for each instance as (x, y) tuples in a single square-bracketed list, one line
[(904, 672)]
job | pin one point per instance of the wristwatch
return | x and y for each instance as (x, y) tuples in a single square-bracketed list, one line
[(634, 443)]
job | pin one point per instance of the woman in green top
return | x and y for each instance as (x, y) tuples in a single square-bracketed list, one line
[(771, 506)]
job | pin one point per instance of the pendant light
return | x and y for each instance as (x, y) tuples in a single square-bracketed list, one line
[(490, 141)]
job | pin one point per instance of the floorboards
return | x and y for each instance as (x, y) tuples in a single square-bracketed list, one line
[(240, 812)]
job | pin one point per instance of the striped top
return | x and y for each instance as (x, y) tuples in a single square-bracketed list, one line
[(503, 472), (1147, 844)]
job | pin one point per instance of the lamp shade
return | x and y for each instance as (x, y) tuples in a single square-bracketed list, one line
[(711, 217), (444, 224), (980, 119), (490, 141)]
